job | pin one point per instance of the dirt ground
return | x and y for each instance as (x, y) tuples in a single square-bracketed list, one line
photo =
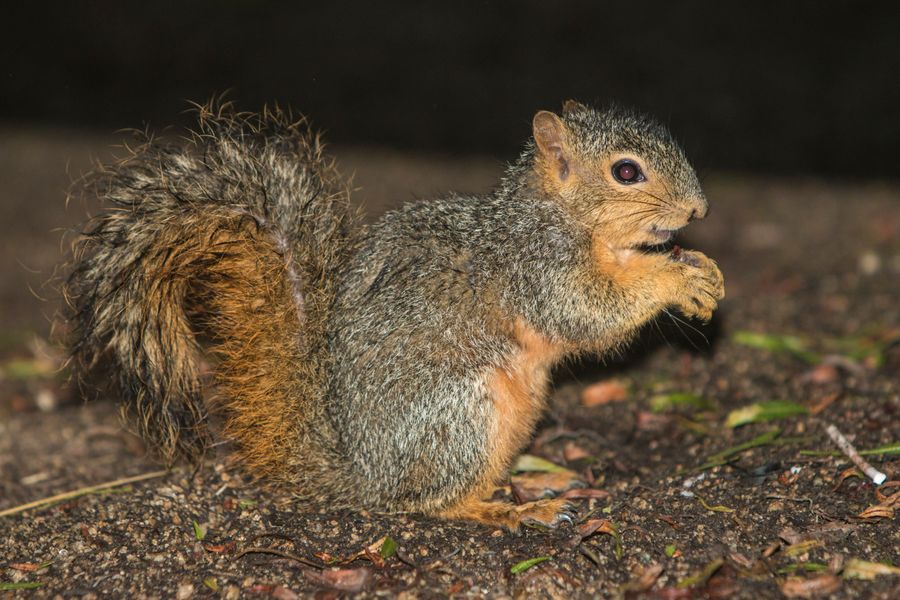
[(812, 270)]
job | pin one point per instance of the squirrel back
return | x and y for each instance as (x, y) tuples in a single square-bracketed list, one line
[(235, 233)]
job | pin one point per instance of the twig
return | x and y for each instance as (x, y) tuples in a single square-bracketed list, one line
[(847, 448), (281, 553), (789, 498), (81, 492)]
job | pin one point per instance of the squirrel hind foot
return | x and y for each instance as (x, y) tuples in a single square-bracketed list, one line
[(549, 513)]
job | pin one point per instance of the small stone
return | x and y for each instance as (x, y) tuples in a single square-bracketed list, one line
[(232, 592), (869, 263)]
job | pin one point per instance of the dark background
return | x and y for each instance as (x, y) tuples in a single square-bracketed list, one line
[(779, 87)]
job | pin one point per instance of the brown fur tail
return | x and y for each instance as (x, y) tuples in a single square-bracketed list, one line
[(236, 234)]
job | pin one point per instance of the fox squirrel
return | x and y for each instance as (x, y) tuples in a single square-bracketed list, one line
[(398, 366)]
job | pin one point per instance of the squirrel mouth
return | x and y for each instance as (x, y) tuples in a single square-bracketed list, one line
[(662, 236), (653, 239)]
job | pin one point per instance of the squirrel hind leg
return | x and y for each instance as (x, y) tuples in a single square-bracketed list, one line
[(546, 513)]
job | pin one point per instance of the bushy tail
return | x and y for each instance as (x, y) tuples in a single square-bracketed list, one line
[(236, 233)]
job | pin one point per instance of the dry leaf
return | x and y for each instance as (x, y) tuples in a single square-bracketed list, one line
[(584, 493), (884, 499), (604, 392), (593, 526), (345, 580), (822, 374), (27, 567), (674, 593), (846, 474), (648, 421), (220, 548), (862, 569), (279, 592), (824, 403), (644, 580), (879, 511), (573, 452), (791, 536), (814, 587)]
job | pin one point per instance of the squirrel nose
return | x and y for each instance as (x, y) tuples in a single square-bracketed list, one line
[(698, 212)]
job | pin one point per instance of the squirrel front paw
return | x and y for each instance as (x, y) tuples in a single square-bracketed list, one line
[(702, 284)]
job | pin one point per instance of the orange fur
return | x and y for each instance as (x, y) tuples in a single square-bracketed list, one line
[(250, 308), (518, 391), (519, 394)]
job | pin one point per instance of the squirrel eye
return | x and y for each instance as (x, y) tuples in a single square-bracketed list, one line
[(626, 171)]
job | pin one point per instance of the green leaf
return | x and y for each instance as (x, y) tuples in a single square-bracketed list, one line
[(764, 411), (810, 567), (21, 585), (527, 564), (664, 402), (199, 531), (388, 547), (528, 463), (211, 583), (671, 550), (24, 369), (787, 344)]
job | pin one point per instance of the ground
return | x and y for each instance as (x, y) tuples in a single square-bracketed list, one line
[(812, 270)]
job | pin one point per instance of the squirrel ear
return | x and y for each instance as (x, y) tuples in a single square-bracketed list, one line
[(550, 138), (571, 106)]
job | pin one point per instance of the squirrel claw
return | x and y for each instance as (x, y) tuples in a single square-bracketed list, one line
[(547, 513)]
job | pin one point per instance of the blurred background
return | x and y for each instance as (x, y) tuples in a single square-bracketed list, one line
[(418, 99), (788, 87)]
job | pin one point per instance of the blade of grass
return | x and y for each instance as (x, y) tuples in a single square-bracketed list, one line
[(21, 585), (761, 440), (701, 576), (887, 449), (81, 492), (527, 564)]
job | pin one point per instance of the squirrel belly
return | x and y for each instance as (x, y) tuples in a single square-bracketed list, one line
[(399, 366)]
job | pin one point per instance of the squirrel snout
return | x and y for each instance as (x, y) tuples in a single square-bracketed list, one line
[(698, 209)]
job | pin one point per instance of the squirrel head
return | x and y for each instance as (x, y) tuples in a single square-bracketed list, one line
[(620, 173)]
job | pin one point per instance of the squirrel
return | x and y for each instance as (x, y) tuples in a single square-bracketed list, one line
[(398, 366)]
